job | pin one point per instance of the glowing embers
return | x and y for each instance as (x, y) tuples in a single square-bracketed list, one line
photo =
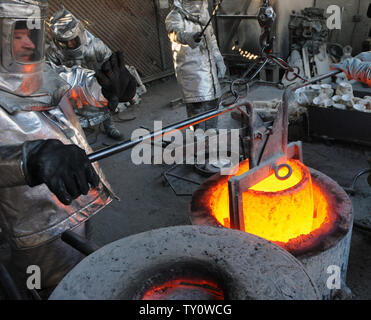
[(185, 288), (287, 212), (245, 54)]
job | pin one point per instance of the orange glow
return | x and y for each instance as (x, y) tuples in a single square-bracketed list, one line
[(28, 68), (172, 37), (288, 212), (31, 83), (167, 288), (78, 98)]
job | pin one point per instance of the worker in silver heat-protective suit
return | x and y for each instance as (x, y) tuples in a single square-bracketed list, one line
[(73, 45), (198, 62), (359, 69), (47, 183)]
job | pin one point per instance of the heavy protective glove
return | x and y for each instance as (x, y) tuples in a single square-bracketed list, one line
[(118, 85), (355, 69), (220, 66), (197, 37), (65, 169), (364, 56), (192, 39)]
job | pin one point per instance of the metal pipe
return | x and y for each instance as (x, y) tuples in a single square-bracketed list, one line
[(79, 243), (107, 152), (318, 78), (237, 16), (211, 18), (8, 284), (259, 70)]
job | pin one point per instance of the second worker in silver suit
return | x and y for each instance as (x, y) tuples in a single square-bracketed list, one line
[(73, 45), (198, 63)]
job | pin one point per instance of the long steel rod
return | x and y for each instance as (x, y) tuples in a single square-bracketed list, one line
[(212, 17), (79, 243), (7, 283), (316, 79), (107, 152)]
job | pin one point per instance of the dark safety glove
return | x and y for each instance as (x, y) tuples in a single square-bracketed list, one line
[(118, 85), (197, 37), (355, 69), (65, 169), (192, 39)]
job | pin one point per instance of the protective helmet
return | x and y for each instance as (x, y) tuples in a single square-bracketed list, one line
[(195, 7), (22, 46), (68, 33)]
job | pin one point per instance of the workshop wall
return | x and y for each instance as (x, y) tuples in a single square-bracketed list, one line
[(135, 27), (356, 26), (248, 30), (138, 29)]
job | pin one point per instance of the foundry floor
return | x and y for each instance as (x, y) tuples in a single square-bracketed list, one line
[(147, 203)]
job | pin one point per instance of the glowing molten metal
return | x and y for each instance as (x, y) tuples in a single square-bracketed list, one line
[(292, 213)]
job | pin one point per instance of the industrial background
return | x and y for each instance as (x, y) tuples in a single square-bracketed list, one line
[(135, 27), (138, 29)]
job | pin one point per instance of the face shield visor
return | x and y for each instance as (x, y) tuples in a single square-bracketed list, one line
[(68, 33), (72, 44), (194, 7), (27, 42), (22, 27)]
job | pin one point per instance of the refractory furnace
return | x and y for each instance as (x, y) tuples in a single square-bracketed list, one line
[(276, 197)]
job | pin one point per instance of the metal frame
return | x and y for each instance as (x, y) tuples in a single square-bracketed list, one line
[(239, 184), (274, 152)]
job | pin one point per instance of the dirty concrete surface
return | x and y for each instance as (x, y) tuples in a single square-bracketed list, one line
[(147, 203)]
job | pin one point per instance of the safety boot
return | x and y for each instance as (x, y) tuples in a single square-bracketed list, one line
[(111, 130)]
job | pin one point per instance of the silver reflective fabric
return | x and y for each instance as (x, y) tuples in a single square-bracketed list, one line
[(15, 77), (193, 6), (90, 54), (195, 69), (30, 217), (85, 96)]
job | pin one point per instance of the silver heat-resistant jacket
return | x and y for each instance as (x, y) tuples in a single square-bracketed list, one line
[(91, 55), (195, 69), (30, 217), (85, 96)]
